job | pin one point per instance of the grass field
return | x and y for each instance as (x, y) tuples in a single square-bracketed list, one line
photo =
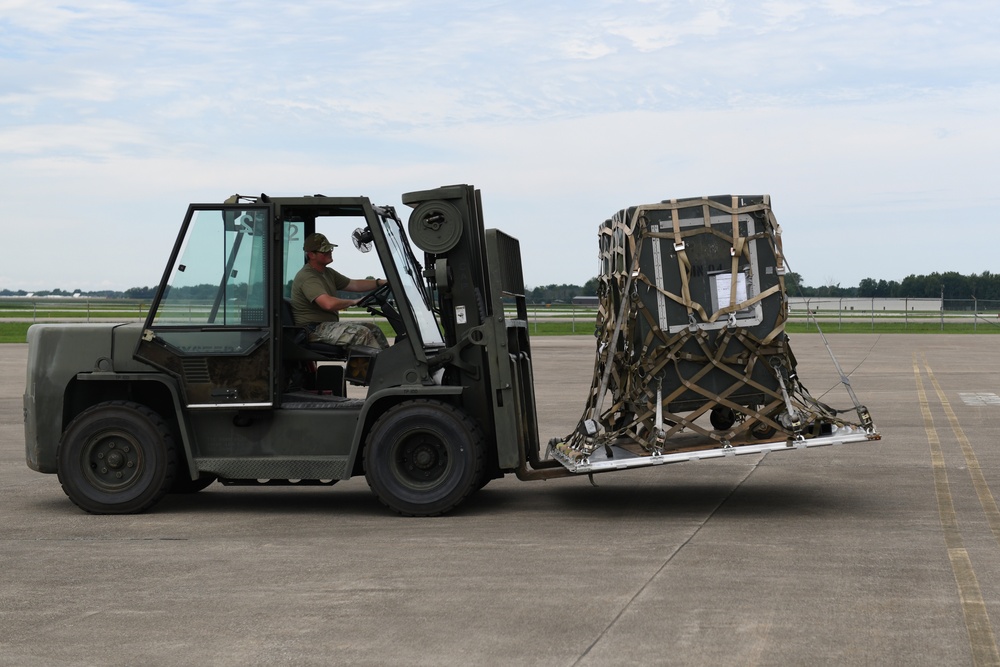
[(14, 332)]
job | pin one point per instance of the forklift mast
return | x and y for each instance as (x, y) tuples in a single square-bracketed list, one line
[(476, 277)]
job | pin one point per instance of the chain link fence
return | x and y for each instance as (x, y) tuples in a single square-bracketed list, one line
[(922, 314), (67, 309), (832, 313)]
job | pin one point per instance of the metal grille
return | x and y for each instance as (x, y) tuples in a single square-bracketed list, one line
[(195, 370)]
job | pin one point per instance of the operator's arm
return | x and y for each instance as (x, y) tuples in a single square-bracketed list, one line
[(334, 303), (358, 285)]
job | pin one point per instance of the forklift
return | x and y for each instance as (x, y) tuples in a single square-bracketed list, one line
[(219, 384)]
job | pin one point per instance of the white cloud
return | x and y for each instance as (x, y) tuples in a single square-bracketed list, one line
[(39, 16), (76, 143), (562, 114), (585, 49), (780, 13), (662, 27), (853, 8)]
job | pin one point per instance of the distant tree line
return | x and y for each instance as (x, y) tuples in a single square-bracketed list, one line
[(560, 293), (951, 285), (96, 294), (206, 291), (141, 293)]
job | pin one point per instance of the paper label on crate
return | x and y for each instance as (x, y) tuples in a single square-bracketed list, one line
[(723, 291)]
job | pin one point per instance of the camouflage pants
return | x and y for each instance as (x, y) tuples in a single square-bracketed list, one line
[(349, 333)]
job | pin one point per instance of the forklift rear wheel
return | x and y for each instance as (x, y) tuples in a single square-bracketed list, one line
[(117, 457), (423, 458)]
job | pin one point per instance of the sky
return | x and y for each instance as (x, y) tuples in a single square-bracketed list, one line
[(874, 125)]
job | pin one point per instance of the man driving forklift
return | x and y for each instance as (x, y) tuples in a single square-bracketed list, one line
[(316, 306)]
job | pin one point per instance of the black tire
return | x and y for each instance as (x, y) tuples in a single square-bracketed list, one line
[(117, 458), (485, 477), (423, 458), (722, 417)]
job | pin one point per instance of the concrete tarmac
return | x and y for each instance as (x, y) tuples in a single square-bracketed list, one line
[(860, 554)]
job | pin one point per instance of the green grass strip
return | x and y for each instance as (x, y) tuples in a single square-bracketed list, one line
[(16, 332)]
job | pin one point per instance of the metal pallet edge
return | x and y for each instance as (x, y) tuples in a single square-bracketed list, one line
[(598, 461)]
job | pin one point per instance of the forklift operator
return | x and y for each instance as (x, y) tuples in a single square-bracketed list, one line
[(316, 307)]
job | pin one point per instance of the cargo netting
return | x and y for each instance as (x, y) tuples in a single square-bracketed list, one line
[(691, 334)]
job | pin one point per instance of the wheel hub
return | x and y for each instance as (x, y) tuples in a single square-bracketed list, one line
[(115, 460), (112, 463), (422, 459)]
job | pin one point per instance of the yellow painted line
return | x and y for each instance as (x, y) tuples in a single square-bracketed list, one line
[(986, 498), (982, 640)]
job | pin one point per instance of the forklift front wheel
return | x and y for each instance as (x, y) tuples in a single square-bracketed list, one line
[(423, 457)]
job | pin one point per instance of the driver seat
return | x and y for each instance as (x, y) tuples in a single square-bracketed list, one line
[(296, 346)]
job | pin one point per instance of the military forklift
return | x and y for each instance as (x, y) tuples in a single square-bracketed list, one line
[(219, 384)]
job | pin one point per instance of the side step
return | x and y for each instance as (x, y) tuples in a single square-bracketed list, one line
[(622, 459)]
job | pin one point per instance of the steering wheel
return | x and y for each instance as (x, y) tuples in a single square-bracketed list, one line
[(378, 302), (377, 296)]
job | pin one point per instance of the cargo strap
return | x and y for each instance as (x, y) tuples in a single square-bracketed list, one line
[(629, 396)]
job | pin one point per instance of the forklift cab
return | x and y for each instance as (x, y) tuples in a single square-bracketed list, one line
[(221, 320)]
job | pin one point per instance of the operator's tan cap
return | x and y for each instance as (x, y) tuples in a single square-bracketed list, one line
[(317, 243)]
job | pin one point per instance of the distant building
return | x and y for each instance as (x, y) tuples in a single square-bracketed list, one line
[(586, 301), (818, 303)]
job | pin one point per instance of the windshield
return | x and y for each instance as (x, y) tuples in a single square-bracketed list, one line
[(415, 291)]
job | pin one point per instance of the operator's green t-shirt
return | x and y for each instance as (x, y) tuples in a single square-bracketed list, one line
[(307, 286)]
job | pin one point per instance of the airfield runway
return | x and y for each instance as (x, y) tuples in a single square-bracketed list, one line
[(860, 554)]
